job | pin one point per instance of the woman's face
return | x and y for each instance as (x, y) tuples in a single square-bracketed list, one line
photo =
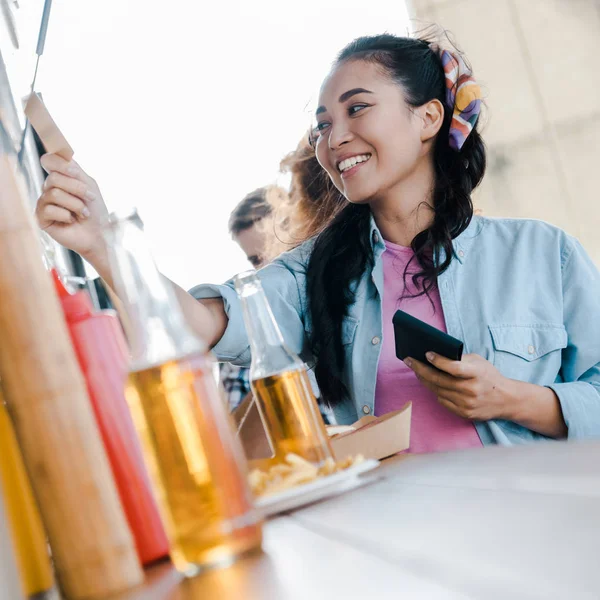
[(368, 137)]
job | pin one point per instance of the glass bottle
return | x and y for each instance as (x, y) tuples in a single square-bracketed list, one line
[(195, 461), (280, 382)]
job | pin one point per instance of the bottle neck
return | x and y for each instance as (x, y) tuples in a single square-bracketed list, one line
[(261, 327), (157, 327), (270, 355)]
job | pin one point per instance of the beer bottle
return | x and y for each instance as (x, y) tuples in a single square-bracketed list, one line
[(280, 382), (195, 461)]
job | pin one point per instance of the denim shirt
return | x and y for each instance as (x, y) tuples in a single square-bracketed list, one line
[(521, 293)]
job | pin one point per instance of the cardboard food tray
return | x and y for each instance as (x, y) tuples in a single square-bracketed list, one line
[(376, 437)]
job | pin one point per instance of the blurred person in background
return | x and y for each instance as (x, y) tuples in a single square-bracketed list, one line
[(250, 225), (250, 222)]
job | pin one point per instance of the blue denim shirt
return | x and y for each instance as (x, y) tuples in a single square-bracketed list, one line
[(521, 293)]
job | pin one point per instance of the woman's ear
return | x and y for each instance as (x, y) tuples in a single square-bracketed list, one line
[(432, 116)]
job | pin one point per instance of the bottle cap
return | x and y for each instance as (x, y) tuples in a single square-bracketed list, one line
[(76, 306), (247, 282)]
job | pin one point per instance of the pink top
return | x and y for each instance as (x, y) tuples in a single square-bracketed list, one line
[(433, 428)]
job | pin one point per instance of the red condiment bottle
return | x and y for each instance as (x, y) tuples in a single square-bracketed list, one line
[(103, 357)]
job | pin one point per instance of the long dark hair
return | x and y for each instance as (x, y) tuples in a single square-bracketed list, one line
[(343, 251)]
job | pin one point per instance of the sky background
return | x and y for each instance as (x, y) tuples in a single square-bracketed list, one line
[(182, 108)]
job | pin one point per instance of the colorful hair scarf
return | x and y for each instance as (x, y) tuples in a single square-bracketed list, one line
[(463, 97)]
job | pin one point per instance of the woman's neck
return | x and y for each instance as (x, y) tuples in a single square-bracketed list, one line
[(406, 209)]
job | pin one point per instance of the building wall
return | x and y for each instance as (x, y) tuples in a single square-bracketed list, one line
[(538, 62)]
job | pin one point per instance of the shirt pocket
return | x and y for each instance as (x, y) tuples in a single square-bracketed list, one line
[(529, 352)]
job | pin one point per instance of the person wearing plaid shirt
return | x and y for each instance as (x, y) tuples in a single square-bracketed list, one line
[(236, 383)]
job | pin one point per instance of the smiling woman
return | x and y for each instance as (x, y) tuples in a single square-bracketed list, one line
[(378, 137), (397, 134)]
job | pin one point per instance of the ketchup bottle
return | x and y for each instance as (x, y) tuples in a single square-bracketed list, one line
[(103, 357)]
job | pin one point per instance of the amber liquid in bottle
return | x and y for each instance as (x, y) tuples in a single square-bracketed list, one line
[(291, 416), (207, 511)]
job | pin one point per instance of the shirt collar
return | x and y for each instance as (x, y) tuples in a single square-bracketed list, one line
[(376, 239), (461, 244)]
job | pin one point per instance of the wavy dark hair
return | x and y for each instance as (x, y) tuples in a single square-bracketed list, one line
[(312, 202), (343, 252)]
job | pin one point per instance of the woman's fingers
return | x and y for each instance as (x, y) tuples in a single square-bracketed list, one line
[(453, 407), (74, 187), (433, 378), (53, 162), (61, 199), (52, 214)]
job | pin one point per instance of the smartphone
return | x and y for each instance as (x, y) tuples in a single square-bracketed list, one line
[(414, 338)]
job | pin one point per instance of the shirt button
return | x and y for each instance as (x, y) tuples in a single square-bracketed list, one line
[(461, 254), (531, 349), (375, 340), (366, 409), (376, 238)]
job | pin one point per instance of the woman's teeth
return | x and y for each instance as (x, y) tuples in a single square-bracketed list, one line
[(348, 163)]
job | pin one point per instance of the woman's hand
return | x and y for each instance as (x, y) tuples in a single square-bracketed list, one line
[(474, 389), (71, 209), (471, 388)]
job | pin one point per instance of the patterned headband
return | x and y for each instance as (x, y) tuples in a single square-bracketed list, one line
[(463, 96)]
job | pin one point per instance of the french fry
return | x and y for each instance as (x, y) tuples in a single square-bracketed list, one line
[(298, 461), (328, 467), (295, 471)]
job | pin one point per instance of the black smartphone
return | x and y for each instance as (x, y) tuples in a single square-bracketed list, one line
[(414, 338)]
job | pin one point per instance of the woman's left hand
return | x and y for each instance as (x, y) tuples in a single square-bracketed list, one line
[(471, 388)]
